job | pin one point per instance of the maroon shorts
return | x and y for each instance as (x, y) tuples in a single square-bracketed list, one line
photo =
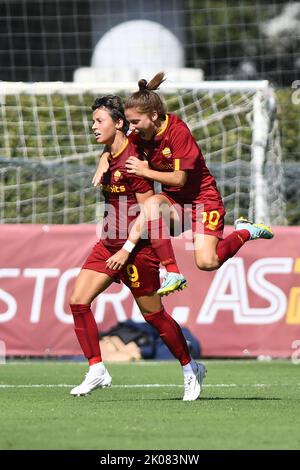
[(206, 218), (140, 274)]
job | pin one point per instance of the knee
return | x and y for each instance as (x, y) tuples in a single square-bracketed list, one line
[(153, 205), (75, 299), (151, 201), (207, 262)]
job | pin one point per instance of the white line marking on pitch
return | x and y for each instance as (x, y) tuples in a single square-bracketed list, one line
[(144, 385)]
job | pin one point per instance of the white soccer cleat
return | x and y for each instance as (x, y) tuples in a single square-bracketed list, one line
[(193, 383), (172, 283), (91, 382)]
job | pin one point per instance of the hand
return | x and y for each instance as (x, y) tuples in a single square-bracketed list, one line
[(102, 168), (118, 260), (136, 166)]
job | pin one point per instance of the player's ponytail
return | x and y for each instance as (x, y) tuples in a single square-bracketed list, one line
[(146, 100), (156, 81), (154, 84)]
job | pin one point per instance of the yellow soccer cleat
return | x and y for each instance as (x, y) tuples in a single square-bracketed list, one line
[(256, 230), (172, 283)]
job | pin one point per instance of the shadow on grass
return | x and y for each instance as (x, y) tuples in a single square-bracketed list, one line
[(201, 399), (241, 398)]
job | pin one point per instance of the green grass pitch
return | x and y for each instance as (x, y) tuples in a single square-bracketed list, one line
[(244, 405)]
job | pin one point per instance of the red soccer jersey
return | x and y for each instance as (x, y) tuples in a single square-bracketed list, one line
[(121, 207), (174, 148)]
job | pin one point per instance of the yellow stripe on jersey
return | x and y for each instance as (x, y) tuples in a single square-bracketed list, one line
[(177, 164), (164, 127), (122, 149)]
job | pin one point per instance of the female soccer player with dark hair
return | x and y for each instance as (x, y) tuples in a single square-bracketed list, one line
[(176, 161), (123, 194)]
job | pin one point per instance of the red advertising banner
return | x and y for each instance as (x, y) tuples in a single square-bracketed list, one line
[(249, 307)]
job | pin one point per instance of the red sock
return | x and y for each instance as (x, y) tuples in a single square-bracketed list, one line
[(229, 246), (159, 237), (87, 332), (171, 334)]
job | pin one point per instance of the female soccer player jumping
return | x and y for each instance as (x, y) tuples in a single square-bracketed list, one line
[(123, 194), (176, 161)]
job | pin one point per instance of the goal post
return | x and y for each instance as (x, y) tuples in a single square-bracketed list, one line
[(48, 153)]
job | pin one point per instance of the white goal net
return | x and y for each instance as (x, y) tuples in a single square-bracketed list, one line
[(48, 154)]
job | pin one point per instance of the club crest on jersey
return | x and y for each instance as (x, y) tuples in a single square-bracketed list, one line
[(167, 152), (117, 175)]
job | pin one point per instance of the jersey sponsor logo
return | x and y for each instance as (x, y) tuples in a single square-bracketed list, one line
[(117, 175), (165, 166), (167, 152), (113, 188)]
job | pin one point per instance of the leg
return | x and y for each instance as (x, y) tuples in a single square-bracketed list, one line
[(142, 277), (244, 231), (211, 250), (168, 329), (205, 251), (88, 285), (171, 334), (161, 216), (211, 253), (158, 214)]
